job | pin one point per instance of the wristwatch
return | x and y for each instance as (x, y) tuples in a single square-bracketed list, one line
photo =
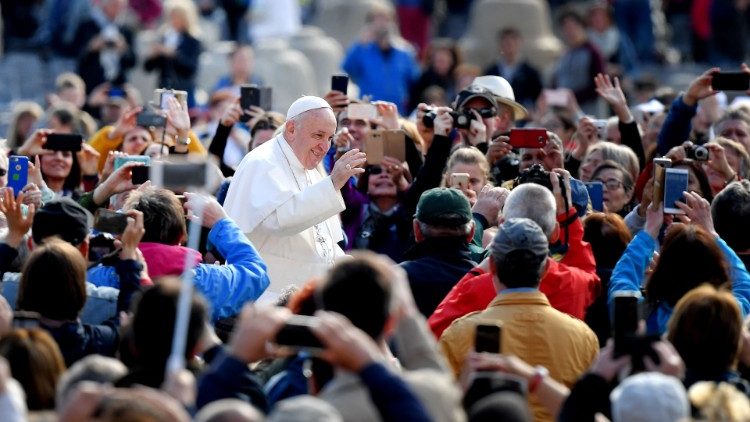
[(540, 373)]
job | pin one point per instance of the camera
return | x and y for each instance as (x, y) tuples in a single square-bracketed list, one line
[(535, 174), (697, 152), (461, 119)]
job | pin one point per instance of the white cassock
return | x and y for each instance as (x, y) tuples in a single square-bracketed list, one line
[(289, 214)]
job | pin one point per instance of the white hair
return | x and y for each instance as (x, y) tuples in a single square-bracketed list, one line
[(534, 202)]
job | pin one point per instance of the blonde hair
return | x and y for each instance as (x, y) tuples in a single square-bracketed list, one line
[(719, 402), (469, 156), (188, 10), (739, 149), (410, 128), (21, 109), (620, 154)]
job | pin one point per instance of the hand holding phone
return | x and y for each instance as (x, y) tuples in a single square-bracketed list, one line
[(660, 166)]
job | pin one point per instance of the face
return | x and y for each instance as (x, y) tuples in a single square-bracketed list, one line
[(572, 32), (57, 165), (242, 62), (590, 163), (613, 133), (113, 8), (73, 96), (599, 20), (136, 141), (615, 195), (490, 122), (358, 128), (262, 136), (25, 124), (310, 138), (736, 130), (476, 177), (379, 183), (550, 157), (177, 20), (510, 46), (442, 61)]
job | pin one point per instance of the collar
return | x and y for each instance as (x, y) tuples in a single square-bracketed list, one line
[(291, 158), (534, 297), (440, 246), (517, 290)]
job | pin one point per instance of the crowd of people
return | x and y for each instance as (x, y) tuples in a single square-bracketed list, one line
[(452, 245)]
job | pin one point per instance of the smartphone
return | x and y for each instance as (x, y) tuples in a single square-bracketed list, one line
[(675, 183), (18, 173), (249, 96), (296, 334), (624, 322), (25, 319), (361, 111), (120, 160), (116, 92), (556, 97), (460, 181), (601, 128), (164, 98), (150, 119), (139, 175), (660, 165), (488, 339), (266, 98), (64, 142), (730, 81), (110, 221), (340, 83), (528, 138), (596, 195), (179, 176)]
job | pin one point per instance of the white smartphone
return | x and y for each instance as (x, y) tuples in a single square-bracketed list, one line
[(675, 184)]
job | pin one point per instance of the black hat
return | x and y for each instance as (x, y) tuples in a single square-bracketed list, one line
[(64, 218)]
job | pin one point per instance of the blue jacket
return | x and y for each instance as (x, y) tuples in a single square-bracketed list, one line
[(382, 76), (676, 127), (226, 287), (628, 277)]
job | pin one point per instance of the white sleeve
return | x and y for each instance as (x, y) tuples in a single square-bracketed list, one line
[(13, 402), (303, 210)]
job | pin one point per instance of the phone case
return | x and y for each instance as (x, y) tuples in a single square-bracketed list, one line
[(18, 173), (361, 111), (340, 83), (382, 143), (528, 138), (460, 180)]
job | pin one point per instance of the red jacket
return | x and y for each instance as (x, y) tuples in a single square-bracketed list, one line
[(570, 285)]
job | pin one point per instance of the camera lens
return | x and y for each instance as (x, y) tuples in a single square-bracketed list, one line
[(428, 120), (701, 154)]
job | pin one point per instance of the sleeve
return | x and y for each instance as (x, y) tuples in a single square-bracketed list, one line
[(416, 347), (129, 273), (103, 144), (305, 209), (589, 396), (466, 296), (447, 343), (186, 58), (676, 128), (480, 225), (431, 173), (629, 271), (631, 138), (227, 378), (218, 145), (243, 278), (392, 396), (739, 275), (12, 403), (634, 221)]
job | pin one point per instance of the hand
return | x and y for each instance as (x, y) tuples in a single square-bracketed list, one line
[(346, 346), (127, 122), (646, 197), (554, 177), (232, 113), (670, 362), (387, 115), (717, 159), (88, 159), (182, 387), (612, 94), (120, 181), (654, 220), (343, 139), (586, 135), (347, 166), (337, 100), (82, 402), (178, 117), (606, 366), (18, 225), (132, 235), (397, 171), (477, 132), (697, 211), (256, 113), (32, 195), (34, 145), (35, 173), (470, 194), (677, 153), (256, 327), (212, 210), (700, 88), (503, 363), (490, 202), (6, 319), (443, 122), (109, 163), (498, 149)]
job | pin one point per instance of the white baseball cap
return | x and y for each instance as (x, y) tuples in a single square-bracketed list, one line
[(503, 93)]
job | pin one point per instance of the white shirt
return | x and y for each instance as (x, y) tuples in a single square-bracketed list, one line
[(290, 214)]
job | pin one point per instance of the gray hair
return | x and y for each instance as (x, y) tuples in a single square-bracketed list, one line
[(534, 202), (229, 410), (429, 230), (94, 368)]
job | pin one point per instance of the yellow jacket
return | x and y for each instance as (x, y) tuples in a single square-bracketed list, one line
[(103, 144), (532, 330)]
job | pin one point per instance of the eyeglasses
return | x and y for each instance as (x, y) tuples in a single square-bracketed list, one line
[(374, 170), (486, 112), (611, 184)]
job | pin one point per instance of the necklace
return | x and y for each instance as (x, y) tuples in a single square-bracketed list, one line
[(321, 243)]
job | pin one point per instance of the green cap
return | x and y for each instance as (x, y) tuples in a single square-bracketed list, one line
[(443, 207)]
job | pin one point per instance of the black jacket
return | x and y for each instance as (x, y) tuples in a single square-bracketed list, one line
[(434, 266), (178, 72), (526, 83), (89, 66)]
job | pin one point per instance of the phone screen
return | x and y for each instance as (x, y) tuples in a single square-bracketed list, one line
[(164, 99), (730, 81), (625, 322), (596, 195), (675, 183), (297, 334), (63, 142), (487, 339), (340, 83)]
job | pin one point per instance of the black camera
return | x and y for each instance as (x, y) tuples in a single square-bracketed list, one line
[(535, 174), (100, 246), (696, 152), (461, 119)]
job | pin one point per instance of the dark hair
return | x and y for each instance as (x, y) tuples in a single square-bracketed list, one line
[(568, 12), (627, 178), (608, 235), (700, 174), (154, 314), (53, 281), (730, 210), (520, 268), (359, 289), (444, 44), (73, 180), (508, 31), (163, 216), (36, 363), (689, 257), (705, 328)]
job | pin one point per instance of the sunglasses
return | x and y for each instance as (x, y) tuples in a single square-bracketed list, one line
[(374, 170)]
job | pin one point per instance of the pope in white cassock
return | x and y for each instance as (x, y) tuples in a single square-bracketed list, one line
[(286, 204)]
